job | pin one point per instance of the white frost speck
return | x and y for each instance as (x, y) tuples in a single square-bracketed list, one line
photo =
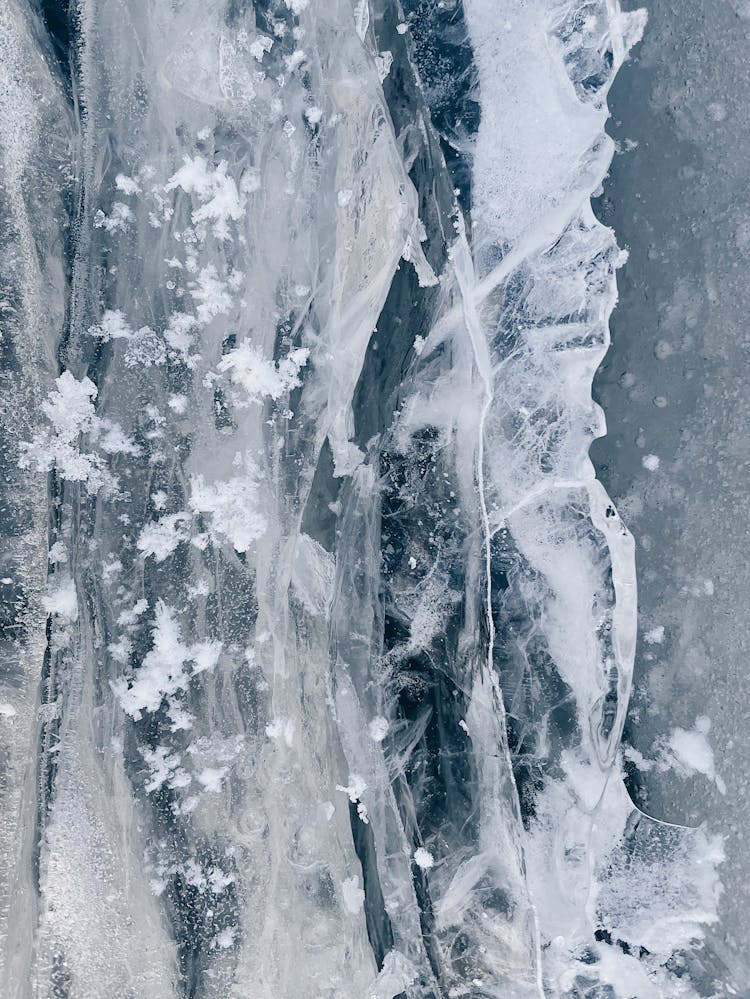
[(423, 858), (650, 462), (655, 636), (383, 63), (162, 673), (212, 778), (281, 729), (354, 896), (58, 553), (62, 600), (260, 378), (127, 184), (225, 939), (692, 752), (260, 46), (211, 294), (160, 538), (178, 404), (378, 728), (232, 506)]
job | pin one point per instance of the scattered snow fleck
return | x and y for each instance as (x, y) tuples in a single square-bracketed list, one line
[(692, 753), (127, 184), (344, 196), (313, 115), (112, 439), (354, 896), (130, 616), (294, 60), (423, 858), (225, 939), (165, 769), (178, 332), (58, 553), (378, 728), (383, 63), (401, 28), (259, 377), (162, 672), (232, 506), (212, 777), (220, 199), (7, 710), (260, 46), (655, 636), (113, 326), (62, 600), (120, 650), (144, 349), (116, 221), (70, 409), (211, 294), (162, 537), (178, 404), (281, 729), (355, 789), (650, 462)]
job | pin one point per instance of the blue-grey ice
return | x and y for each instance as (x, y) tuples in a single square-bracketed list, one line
[(319, 628)]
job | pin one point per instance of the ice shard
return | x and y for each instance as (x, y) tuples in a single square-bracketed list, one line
[(319, 627)]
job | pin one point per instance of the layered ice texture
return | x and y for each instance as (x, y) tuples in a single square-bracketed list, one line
[(320, 629)]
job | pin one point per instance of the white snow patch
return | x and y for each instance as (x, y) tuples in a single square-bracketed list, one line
[(178, 333), (113, 326), (212, 778), (162, 537), (162, 673), (70, 409), (221, 201), (260, 46), (225, 939), (259, 377), (118, 219), (281, 729), (211, 294), (692, 753), (378, 728), (654, 636), (128, 185), (58, 553), (231, 506), (355, 789), (423, 858), (61, 600), (354, 896)]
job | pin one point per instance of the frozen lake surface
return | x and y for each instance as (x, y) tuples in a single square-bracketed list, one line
[(332, 666)]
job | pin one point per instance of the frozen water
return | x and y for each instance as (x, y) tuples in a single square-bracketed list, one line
[(321, 629)]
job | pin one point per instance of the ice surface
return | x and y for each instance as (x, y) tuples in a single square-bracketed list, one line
[(325, 626)]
